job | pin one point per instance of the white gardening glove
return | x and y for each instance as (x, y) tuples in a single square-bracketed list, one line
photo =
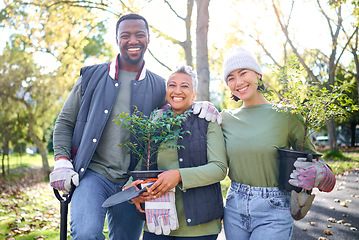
[(157, 114), (300, 204), (161, 214), (62, 175), (207, 110)]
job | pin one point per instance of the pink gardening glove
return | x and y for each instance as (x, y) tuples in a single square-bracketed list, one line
[(308, 175), (161, 214)]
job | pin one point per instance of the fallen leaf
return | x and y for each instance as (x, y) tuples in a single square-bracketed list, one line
[(312, 223), (327, 232), (329, 226), (341, 221), (332, 220)]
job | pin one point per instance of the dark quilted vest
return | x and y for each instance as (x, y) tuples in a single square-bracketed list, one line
[(201, 204)]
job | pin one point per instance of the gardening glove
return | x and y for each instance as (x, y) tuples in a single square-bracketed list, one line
[(157, 114), (161, 214), (166, 107), (207, 110), (63, 175), (300, 204), (312, 174)]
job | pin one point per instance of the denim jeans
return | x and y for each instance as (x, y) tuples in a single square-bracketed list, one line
[(152, 236), (88, 215), (257, 213)]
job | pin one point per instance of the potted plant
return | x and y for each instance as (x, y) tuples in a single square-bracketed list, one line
[(147, 134), (313, 104)]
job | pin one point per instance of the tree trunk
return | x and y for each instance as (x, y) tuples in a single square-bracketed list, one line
[(187, 46), (37, 140), (332, 135), (3, 164), (202, 50)]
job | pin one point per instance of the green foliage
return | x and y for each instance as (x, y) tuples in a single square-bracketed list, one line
[(335, 155), (312, 103), (150, 132)]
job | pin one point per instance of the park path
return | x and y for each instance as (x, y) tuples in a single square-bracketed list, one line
[(334, 215)]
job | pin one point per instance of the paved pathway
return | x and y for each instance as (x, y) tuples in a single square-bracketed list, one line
[(333, 216)]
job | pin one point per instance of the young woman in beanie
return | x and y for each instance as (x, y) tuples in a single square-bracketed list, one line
[(255, 207)]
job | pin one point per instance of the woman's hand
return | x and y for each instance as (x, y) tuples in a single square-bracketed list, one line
[(140, 199), (166, 181)]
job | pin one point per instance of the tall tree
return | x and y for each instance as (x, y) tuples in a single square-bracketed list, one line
[(54, 29), (202, 49), (335, 27)]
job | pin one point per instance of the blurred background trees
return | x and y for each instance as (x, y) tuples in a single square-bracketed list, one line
[(46, 42)]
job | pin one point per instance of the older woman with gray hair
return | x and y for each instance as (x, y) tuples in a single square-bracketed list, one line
[(193, 171)]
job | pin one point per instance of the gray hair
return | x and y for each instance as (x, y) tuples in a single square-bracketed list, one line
[(187, 70)]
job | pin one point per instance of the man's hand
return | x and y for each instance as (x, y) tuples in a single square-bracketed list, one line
[(207, 110), (63, 175)]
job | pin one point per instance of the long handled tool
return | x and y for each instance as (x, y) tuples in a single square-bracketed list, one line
[(64, 203)]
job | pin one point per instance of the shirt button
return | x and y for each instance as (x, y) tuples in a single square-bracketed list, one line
[(82, 169), (181, 159), (189, 220), (94, 140), (116, 84), (106, 111)]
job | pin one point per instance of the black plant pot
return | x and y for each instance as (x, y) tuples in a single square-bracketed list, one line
[(286, 166), (144, 175)]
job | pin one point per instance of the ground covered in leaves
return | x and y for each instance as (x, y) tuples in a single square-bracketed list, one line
[(28, 207)]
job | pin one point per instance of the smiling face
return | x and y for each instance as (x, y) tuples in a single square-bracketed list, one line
[(180, 92), (132, 39), (243, 83)]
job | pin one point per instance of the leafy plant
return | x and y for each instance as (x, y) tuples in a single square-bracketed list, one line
[(311, 102), (150, 132)]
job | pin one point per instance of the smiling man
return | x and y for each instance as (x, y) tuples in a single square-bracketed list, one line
[(86, 139)]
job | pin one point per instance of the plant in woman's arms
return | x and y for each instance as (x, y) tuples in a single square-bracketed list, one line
[(313, 103), (149, 132)]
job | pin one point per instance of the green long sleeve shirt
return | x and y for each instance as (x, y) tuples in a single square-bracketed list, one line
[(252, 135), (214, 171)]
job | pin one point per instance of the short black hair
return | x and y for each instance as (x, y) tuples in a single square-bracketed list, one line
[(130, 16)]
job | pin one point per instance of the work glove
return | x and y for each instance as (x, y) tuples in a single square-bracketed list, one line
[(161, 214), (63, 175), (207, 110), (157, 114), (300, 204), (308, 175)]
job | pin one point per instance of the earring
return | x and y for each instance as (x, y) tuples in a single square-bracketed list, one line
[(235, 98)]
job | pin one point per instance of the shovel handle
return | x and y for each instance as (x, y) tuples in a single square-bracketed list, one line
[(64, 202)]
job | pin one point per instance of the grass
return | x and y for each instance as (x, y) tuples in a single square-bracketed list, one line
[(32, 212)]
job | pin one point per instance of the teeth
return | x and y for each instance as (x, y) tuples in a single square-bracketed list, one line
[(133, 49), (177, 99), (242, 89)]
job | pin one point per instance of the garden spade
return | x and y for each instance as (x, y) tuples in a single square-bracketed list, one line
[(126, 195), (64, 203)]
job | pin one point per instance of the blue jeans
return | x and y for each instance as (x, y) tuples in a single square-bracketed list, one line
[(88, 215), (257, 213), (152, 236)]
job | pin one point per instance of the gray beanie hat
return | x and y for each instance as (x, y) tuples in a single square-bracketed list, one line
[(239, 58)]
